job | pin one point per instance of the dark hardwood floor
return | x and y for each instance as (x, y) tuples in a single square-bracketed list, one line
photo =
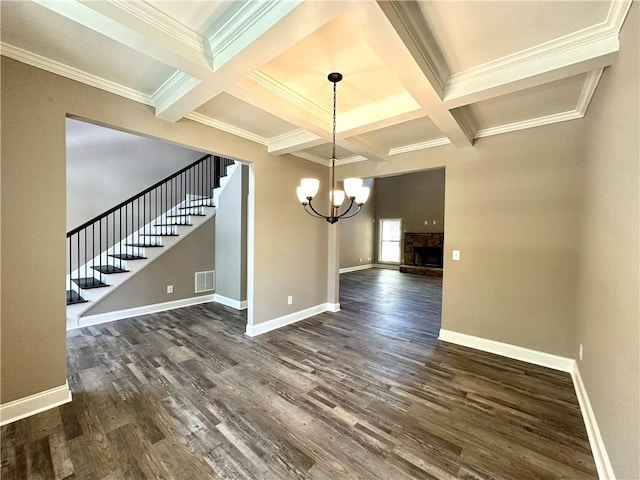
[(366, 393)]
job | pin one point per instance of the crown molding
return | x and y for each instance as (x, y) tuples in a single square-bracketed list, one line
[(591, 45), (437, 142), (174, 88), (311, 158), (72, 73), (294, 140), (348, 160), (281, 90), (225, 127), (588, 89), (617, 14), (531, 123), (250, 21), (163, 22)]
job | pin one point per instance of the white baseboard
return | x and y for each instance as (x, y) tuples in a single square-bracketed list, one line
[(269, 325), (230, 302), (36, 403), (356, 268), (333, 307), (600, 456), (388, 266), (535, 357), (137, 311)]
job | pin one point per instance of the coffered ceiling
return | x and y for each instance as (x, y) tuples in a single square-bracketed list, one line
[(417, 75)]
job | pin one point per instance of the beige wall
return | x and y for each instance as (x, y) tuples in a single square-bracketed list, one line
[(512, 206), (34, 106), (294, 243), (177, 267), (357, 239), (608, 324)]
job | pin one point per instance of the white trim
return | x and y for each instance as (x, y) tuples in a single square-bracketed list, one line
[(225, 127), (63, 70), (419, 146), (535, 357), (163, 22), (269, 325), (251, 241), (531, 123), (348, 160), (600, 456), (333, 307), (173, 89), (137, 311), (311, 158), (230, 302), (36, 403), (588, 89), (356, 268), (293, 140)]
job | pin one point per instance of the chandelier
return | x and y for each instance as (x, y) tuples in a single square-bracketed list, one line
[(353, 191)]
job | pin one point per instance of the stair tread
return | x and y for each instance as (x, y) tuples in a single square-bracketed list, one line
[(127, 256), (159, 234), (74, 297), (108, 269), (146, 245), (187, 215), (89, 282), (173, 224)]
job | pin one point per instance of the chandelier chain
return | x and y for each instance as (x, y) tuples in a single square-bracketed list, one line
[(333, 151)]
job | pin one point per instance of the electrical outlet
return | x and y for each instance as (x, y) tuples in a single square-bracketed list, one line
[(290, 300), (434, 222), (360, 260), (169, 288), (580, 354), (426, 222), (455, 255)]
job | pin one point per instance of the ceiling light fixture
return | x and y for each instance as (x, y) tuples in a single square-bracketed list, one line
[(354, 190)]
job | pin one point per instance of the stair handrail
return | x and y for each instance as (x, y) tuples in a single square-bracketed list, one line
[(140, 194)]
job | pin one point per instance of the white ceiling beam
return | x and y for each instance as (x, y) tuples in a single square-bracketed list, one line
[(245, 45), (121, 23), (574, 54), (391, 30)]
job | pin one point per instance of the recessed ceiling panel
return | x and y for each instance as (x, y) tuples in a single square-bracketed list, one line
[(407, 133), (233, 111), (337, 46), (472, 33), (79, 47), (324, 152), (556, 97)]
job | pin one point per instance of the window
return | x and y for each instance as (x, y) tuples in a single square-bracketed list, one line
[(390, 240)]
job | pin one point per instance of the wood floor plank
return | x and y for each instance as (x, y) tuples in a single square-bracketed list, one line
[(364, 393)]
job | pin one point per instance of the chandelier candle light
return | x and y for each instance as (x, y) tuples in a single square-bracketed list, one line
[(354, 191)]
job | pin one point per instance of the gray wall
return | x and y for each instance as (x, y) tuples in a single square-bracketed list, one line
[(106, 166), (231, 238), (608, 315), (416, 198), (357, 234), (177, 267)]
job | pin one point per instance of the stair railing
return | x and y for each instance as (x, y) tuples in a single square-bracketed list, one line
[(173, 199)]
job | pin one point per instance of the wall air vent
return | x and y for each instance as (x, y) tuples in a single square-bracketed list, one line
[(205, 281)]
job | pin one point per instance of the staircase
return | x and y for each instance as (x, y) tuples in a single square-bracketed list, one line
[(106, 251)]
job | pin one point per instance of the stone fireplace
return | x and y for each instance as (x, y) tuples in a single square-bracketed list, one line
[(423, 253)]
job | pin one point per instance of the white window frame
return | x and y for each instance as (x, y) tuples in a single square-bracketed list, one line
[(380, 240)]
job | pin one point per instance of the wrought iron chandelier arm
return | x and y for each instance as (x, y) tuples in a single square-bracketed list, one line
[(353, 214), (317, 214), (347, 210)]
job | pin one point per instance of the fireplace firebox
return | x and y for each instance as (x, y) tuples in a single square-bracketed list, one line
[(427, 256)]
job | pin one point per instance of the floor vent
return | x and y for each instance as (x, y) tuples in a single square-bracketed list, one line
[(205, 281)]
